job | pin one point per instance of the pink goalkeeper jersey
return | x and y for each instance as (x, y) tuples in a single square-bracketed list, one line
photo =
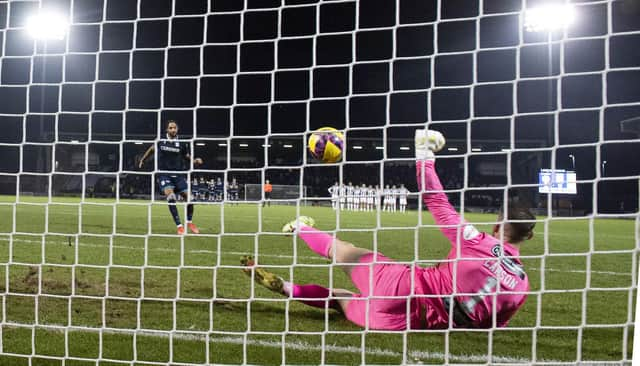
[(484, 276)]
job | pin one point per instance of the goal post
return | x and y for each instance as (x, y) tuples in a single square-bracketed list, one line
[(282, 192), (92, 270)]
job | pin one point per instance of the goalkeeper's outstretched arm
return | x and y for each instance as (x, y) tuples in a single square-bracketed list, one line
[(446, 217)]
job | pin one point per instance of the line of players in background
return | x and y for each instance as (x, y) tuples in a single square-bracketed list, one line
[(368, 198), (211, 190)]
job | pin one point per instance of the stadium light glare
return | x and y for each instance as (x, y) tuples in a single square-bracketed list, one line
[(404, 148), (287, 146), (47, 25), (357, 147), (138, 143), (476, 149), (452, 149), (549, 17), (222, 144), (379, 147), (200, 144), (244, 145)]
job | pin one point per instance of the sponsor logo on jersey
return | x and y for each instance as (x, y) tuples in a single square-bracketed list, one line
[(508, 263), (496, 250), (169, 148)]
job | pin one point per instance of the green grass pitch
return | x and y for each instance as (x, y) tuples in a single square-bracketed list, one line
[(99, 280)]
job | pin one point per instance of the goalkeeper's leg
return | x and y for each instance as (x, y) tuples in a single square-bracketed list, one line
[(362, 266), (325, 244), (302, 293), (388, 314)]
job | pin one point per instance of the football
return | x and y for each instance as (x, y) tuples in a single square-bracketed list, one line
[(326, 144)]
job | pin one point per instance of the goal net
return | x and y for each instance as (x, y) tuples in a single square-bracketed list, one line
[(94, 272)]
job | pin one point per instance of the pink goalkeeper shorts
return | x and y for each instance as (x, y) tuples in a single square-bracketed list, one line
[(387, 279)]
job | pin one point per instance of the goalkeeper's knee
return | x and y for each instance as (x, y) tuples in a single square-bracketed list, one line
[(171, 198)]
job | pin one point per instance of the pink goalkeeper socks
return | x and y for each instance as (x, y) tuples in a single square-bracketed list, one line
[(309, 292), (318, 241)]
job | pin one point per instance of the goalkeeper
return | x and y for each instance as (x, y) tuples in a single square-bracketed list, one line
[(172, 158), (487, 279)]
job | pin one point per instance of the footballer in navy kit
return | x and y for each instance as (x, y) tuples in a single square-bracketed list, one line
[(174, 156)]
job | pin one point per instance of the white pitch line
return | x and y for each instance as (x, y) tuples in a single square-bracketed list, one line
[(416, 356), (610, 273)]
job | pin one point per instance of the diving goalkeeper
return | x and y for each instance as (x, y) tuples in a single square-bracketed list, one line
[(481, 284)]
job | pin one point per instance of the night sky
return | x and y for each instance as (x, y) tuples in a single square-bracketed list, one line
[(262, 72)]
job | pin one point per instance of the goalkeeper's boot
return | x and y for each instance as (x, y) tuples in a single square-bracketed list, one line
[(261, 275), (193, 228), (180, 230), (292, 225)]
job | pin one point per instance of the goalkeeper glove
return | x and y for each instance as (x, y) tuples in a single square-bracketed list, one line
[(427, 142)]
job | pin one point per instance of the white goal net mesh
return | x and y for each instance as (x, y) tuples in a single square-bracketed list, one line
[(94, 272)]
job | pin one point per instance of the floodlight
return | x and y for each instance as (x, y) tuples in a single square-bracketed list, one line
[(47, 25), (549, 17)]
